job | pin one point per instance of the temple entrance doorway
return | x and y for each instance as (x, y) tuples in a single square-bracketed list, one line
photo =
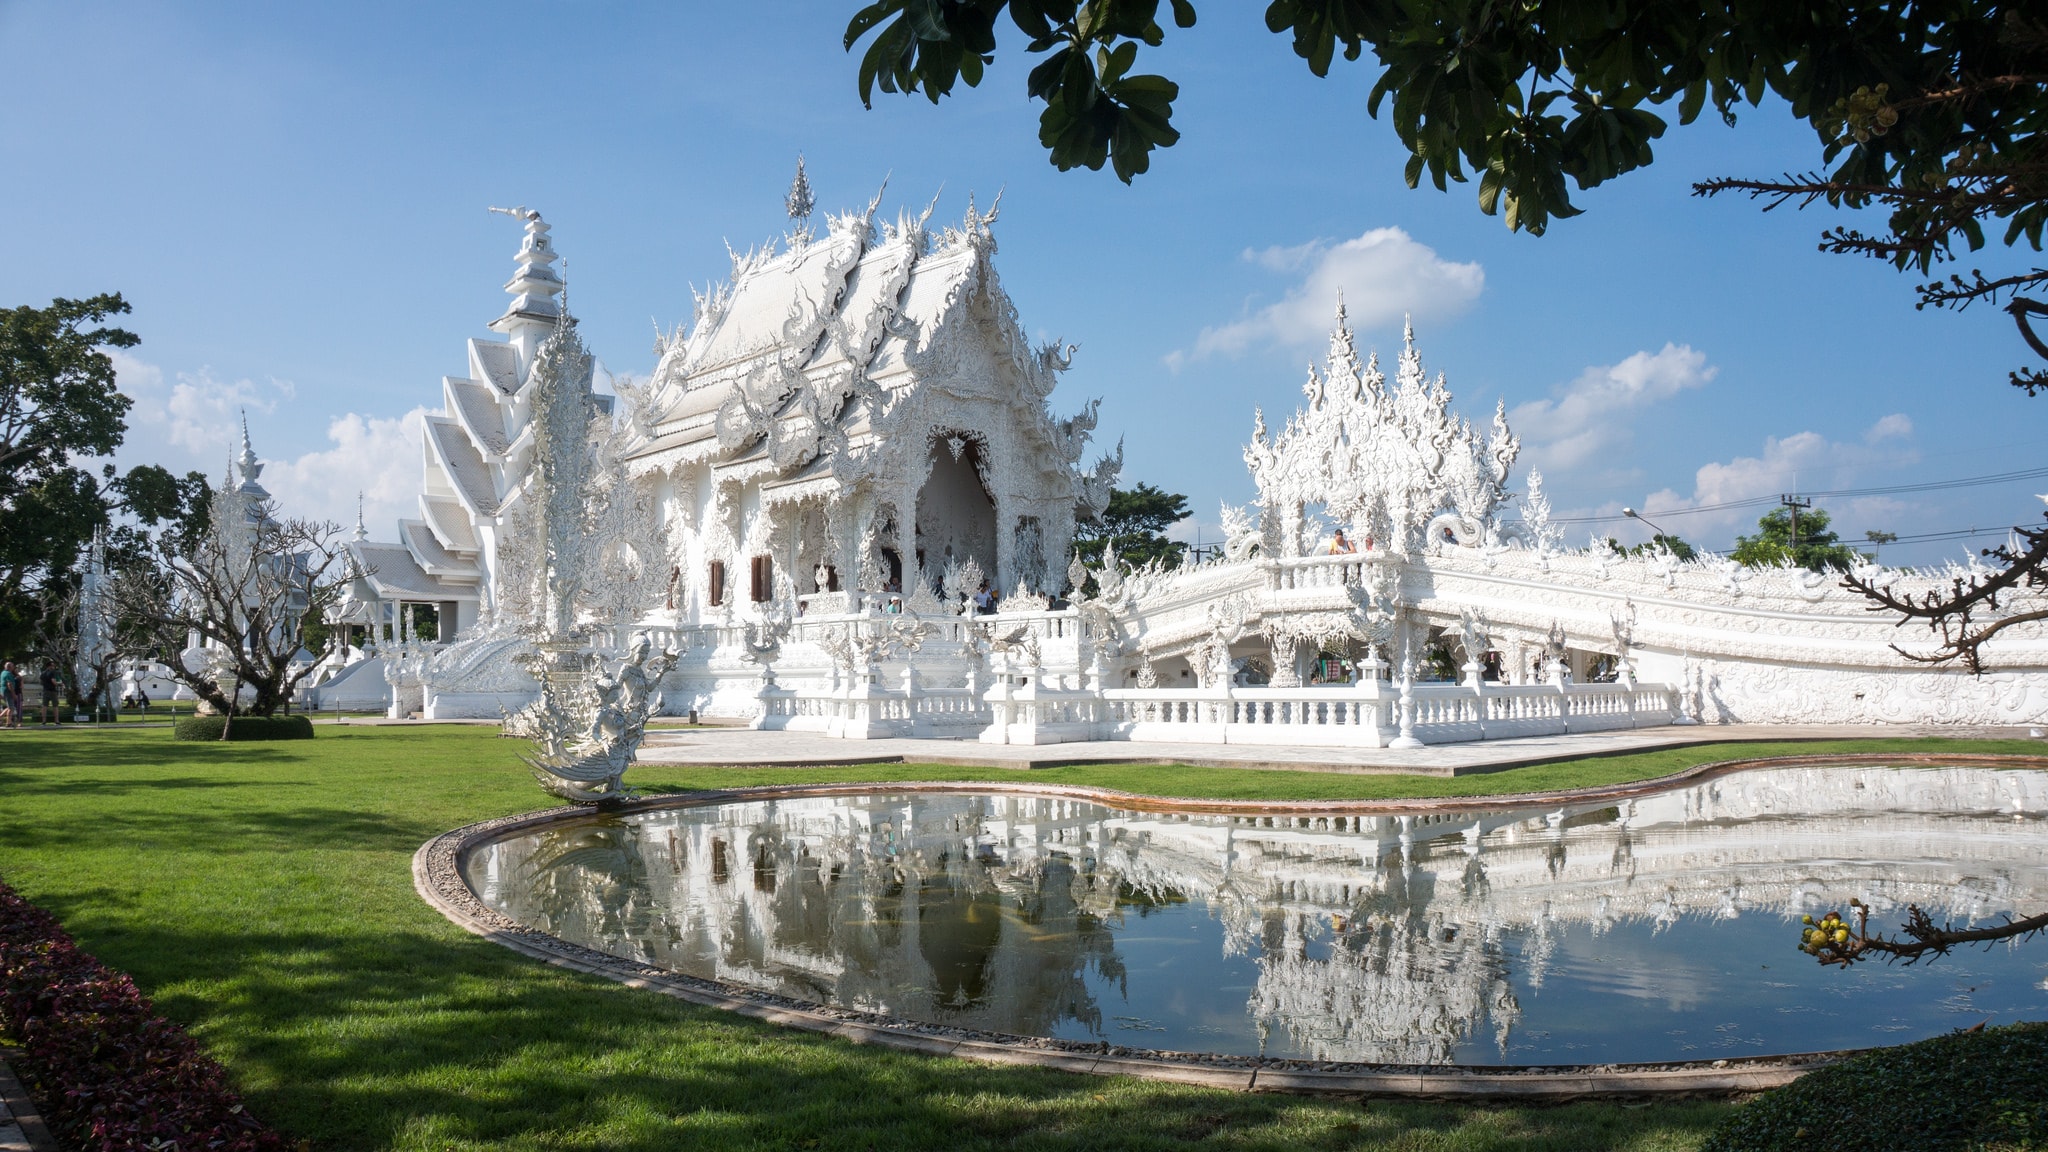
[(956, 518)]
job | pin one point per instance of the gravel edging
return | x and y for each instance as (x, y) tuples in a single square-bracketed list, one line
[(437, 877)]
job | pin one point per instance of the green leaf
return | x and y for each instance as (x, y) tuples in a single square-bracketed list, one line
[(1044, 81), (927, 19), (1118, 62), (1089, 20), (1695, 99), (1489, 190), (865, 20)]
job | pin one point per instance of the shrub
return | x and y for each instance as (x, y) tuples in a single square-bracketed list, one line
[(108, 1072), (244, 728), (1966, 1090)]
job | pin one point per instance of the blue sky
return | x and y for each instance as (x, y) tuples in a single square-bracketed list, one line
[(292, 196)]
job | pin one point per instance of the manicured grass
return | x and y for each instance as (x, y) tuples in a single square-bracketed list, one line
[(262, 894), (1956, 1093)]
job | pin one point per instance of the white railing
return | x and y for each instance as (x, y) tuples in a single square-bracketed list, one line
[(1345, 571), (869, 712), (1358, 716), (1017, 710)]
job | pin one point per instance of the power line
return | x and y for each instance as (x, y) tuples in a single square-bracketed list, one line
[(1831, 494), (1956, 534)]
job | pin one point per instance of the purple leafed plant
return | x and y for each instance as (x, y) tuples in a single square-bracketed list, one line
[(110, 1072)]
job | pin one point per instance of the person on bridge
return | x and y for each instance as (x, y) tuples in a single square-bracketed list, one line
[(1339, 546)]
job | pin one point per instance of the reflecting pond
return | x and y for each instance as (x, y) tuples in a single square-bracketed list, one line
[(1664, 927)]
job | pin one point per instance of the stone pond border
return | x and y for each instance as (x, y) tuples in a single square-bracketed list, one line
[(437, 876)]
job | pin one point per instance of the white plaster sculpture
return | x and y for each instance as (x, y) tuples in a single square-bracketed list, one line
[(587, 730)]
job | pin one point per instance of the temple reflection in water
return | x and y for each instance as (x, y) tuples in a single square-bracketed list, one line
[(1507, 936)]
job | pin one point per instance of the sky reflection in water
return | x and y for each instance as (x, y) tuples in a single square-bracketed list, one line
[(1661, 928)]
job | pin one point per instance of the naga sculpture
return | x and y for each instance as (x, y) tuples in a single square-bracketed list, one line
[(585, 738)]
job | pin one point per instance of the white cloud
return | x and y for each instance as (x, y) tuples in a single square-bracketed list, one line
[(1802, 461), (376, 455), (1589, 418), (194, 421), (1382, 275)]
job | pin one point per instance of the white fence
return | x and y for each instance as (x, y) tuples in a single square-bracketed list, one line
[(1016, 710)]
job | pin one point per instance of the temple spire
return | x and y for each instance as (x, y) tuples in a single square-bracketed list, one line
[(533, 311), (800, 202), (250, 466), (362, 532)]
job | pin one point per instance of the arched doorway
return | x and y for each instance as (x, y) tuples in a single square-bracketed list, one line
[(956, 518)]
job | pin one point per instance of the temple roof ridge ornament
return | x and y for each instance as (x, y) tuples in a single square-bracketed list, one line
[(534, 282), (1392, 464), (800, 202)]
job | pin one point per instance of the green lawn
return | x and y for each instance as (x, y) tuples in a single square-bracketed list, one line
[(262, 894)]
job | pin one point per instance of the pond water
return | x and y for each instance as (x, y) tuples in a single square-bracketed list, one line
[(1660, 928)]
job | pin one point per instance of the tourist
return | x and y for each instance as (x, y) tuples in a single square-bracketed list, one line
[(51, 679), (142, 699), (10, 696), (1339, 546), (984, 600)]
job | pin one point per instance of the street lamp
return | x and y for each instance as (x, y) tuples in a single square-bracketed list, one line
[(1635, 515)]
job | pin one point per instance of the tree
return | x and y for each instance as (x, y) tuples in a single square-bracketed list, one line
[(1932, 110), (44, 527), (1136, 521), (1672, 544), (57, 402), (245, 588), (1807, 542), (57, 394), (88, 636)]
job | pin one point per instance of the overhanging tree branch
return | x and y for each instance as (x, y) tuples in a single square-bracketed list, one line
[(1833, 941), (1955, 615)]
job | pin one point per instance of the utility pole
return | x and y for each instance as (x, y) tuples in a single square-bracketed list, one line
[(1791, 500)]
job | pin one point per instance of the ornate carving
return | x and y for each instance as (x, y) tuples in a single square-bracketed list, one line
[(586, 738), (1393, 465)]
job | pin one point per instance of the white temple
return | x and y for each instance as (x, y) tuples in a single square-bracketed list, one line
[(854, 434)]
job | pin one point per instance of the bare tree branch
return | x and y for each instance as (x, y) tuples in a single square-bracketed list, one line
[(1954, 614), (1832, 941)]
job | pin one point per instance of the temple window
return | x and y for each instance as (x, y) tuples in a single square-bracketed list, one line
[(717, 583)]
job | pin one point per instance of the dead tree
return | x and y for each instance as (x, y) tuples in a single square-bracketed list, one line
[(89, 669), (244, 590)]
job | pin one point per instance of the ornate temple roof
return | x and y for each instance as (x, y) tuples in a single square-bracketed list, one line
[(794, 366), (395, 575)]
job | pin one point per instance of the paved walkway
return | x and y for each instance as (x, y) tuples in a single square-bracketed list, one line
[(744, 747), (21, 1130)]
